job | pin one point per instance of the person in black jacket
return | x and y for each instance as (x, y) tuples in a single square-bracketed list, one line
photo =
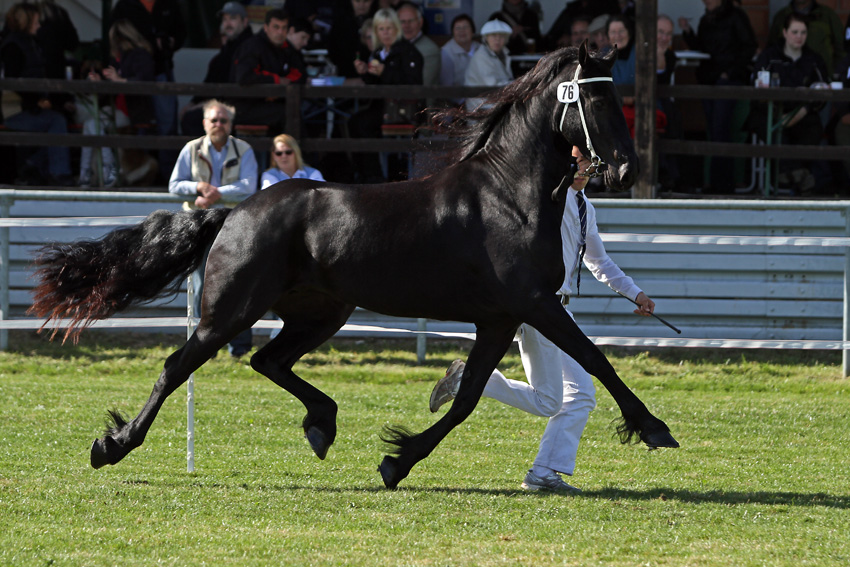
[(395, 61), (21, 57), (577, 8), (56, 36), (132, 61), (235, 30), (267, 58), (725, 33), (165, 29), (344, 45), (796, 66)]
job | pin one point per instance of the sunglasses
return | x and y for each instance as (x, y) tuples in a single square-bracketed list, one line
[(279, 153), (219, 120)]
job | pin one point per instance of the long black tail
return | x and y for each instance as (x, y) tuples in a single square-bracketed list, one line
[(89, 280)]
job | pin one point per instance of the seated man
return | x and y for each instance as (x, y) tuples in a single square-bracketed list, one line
[(234, 31), (267, 58), (211, 167)]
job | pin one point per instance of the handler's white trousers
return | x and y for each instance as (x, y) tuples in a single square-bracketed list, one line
[(558, 388)]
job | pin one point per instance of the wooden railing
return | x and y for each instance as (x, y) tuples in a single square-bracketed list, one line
[(294, 94)]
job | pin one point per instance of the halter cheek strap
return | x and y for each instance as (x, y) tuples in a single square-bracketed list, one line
[(595, 160)]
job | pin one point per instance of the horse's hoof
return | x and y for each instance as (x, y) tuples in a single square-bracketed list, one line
[(388, 469), (659, 439), (318, 442), (100, 453)]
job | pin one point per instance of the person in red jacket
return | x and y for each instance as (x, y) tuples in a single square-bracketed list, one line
[(267, 58)]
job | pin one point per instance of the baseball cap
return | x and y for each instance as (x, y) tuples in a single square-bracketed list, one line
[(495, 26), (598, 23), (232, 8)]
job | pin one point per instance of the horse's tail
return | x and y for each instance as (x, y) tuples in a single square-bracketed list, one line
[(89, 280)]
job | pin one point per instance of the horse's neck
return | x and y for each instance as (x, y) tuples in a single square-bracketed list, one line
[(520, 150)]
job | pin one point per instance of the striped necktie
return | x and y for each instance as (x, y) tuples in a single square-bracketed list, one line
[(582, 219)]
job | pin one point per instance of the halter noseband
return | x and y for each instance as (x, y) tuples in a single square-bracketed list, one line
[(568, 92)]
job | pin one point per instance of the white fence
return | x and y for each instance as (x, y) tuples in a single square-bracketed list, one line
[(785, 285)]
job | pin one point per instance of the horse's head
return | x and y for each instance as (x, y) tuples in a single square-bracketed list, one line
[(589, 115)]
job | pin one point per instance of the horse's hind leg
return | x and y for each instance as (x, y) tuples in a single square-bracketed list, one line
[(302, 332), (125, 436)]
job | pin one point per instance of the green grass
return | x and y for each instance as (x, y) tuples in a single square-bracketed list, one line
[(762, 477)]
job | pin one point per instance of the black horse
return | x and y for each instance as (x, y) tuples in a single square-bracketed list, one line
[(477, 242)]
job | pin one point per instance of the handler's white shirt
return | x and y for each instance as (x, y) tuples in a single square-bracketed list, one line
[(596, 258)]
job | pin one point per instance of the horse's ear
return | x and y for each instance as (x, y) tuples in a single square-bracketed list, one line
[(610, 57), (583, 53)]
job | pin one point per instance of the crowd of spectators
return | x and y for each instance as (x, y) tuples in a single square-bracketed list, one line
[(387, 42)]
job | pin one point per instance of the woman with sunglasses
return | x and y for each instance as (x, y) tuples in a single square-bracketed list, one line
[(288, 163)]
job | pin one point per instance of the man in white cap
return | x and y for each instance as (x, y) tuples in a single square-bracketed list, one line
[(598, 33), (490, 65)]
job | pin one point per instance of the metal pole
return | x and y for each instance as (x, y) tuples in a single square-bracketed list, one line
[(5, 259), (845, 359), (190, 385), (421, 326)]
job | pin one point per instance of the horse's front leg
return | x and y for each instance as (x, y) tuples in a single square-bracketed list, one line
[(124, 436), (557, 326), (489, 348)]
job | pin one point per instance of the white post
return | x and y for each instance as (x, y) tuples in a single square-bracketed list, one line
[(421, 326), (190, 385), (845, 359), (5, 261)]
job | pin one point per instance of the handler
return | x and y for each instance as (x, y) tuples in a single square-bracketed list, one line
[(558, 387), (211, 167)]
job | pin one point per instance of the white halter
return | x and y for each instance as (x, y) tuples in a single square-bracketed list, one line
[(568, 92)]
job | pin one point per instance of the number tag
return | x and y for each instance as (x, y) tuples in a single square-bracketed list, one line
[(568, 92)]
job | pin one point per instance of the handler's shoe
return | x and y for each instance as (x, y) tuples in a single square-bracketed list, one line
[(447, 386), (552, 482)]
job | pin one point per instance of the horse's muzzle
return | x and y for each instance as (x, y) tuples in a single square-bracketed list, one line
[(622, 173)]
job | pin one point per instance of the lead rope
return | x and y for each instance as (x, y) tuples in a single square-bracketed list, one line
[(595, 161)]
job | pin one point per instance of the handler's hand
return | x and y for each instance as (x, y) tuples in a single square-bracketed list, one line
[(646, 305)]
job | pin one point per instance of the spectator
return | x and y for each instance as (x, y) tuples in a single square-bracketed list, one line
[(457, 52), (598, 33), (846, 37), (57, 36), (161, 23), (491, 64), (234, 30), (668, 165), (724, 33), (344, 45), (825, 32), (288, 163), (578, 31), (620, 34), (585, 8), (797, 66), (410, 18), (395, 61), (525, 27), (841, 122), (366, 38), (266, 58), (133, 56), (21, 57), (213, 166), (318, 13)]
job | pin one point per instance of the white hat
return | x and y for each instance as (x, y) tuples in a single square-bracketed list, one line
[(495, 26)]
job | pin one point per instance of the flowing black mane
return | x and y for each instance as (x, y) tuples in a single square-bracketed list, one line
[(473, 127)]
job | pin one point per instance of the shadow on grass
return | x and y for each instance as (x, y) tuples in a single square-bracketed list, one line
[(798, 499)]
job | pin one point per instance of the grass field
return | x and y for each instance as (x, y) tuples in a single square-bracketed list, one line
[(762, 477)]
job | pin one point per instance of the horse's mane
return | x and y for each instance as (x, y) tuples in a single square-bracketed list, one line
[(473, 127)]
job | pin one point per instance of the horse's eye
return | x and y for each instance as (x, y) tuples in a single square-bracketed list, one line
[(599, 104)]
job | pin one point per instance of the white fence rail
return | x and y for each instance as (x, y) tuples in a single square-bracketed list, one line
[(741, 274)]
